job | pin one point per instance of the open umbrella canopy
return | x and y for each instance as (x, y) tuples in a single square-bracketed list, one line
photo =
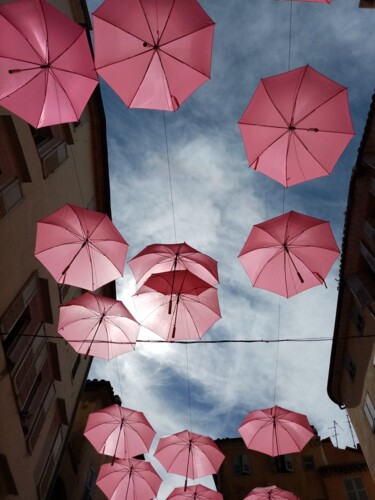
[(47, 73), (129, 479), (177, 305), (195, 492), (119, 432), (153, 54), (296, 126), (275, 431), (289, 254), (160, 258), (270, 493), (189, 454), (80, 247), (98, 326)]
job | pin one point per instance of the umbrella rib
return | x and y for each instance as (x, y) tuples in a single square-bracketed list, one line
[(322, 104), (166, 22), (277, 109), (268, 261), (148, 24), (270, 144), (182, 62), (296, 96)]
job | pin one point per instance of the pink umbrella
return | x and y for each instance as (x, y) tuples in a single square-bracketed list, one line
[(119, 432), (160, 258), (47, 73), (195, 492), (97, 325), (153, 54), (289, 254), (275, 431), (177, 305), (270, 493), (296, 126), (189, 454), (129, 479), (80, 247)]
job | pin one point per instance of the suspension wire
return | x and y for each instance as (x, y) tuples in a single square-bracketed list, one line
[(119, 382), (77, 176), (277, 353), (200, 341), (170, 177), (188, 386), (290, 34)]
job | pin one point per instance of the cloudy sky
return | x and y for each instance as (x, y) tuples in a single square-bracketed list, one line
[(217, 200)]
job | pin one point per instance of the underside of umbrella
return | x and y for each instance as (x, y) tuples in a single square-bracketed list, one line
[(289, 253), (275, 431), (160, 258), (47, 73), (153, 55), (296, 126)]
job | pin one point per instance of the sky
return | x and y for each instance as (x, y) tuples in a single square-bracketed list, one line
[(217, 199)]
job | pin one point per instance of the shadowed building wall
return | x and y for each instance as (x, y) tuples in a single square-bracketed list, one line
[(351, 382)]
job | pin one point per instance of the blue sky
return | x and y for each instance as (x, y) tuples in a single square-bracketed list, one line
[(217, 200)]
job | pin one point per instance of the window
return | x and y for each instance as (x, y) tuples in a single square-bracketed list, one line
[(241, 465), (13, 167), (369, 411), (350, 366), (358, 320), (26, 350), (7, 483), (90, 485), (51, 146), (355, 489), (308, 462), (50, 455), (283, 463)]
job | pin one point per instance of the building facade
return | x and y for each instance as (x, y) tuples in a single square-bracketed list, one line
[(351, 382), (41, 376), (319, 472), (75, 477)]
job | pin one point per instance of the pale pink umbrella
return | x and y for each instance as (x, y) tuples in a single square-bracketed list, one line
[(296, 126), (80, 247), (189, 454), (195, 492), (160, 258), (98, 326), (119, 432), (270, 493), (128, 479), (289, 253), (153, 54), (177, 305), (47, 73), (276, 431)]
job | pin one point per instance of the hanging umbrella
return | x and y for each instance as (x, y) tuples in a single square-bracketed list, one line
[(97, 325), (270, 493), (159, 258), (189, 454), (195, 492), (47, 73), (275, 431), (289, 254), (296, 126), (119, 432), (80, 247), (153, 54), (177, 305), (129, 479)]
